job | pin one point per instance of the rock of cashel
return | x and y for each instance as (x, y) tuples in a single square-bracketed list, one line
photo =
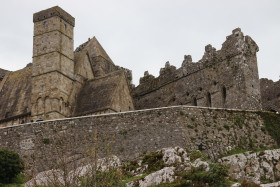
[(214, 105)]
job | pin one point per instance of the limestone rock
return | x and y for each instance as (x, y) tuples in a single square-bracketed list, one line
[(252, 167)]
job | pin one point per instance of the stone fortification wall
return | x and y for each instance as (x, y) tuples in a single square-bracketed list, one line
[(227, 78), (213, 131), (270, 92)]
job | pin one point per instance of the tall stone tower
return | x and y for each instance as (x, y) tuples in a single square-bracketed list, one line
[(53, 63)]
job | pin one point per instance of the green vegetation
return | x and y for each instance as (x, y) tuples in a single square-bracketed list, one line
[(154, 161), (272, 124), (112, 177), (46, 141), (195, 154), (264, 180), (216, 176), (11, 165), (18, 181), (239, 150), (226, 127), (190, 126), (238, 121)]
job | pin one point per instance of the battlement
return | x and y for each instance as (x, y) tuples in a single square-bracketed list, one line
[(208, 81), (51, 12)]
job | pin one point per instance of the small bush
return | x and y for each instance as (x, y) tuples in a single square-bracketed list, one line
[(239, 121), (154, 161), (46, 141), (226, 127), (216, 176), (10, 166), (112, 177), (195, 154)]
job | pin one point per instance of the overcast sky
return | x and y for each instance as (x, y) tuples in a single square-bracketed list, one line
[(143, 34)]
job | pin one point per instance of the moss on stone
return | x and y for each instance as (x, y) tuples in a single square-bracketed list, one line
[(271, 124)]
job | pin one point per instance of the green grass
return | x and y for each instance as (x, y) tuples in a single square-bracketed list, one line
[(17, 182), (124, 181), (239, 150)]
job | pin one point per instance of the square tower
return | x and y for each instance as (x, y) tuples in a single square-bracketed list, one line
[(53, 63)]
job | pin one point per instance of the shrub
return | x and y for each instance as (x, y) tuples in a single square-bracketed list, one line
[(195, 154), (216, 176), (10, 165), (154, 161), (112, 177)]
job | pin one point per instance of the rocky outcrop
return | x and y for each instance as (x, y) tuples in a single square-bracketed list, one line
[(254, 167), (61, 177), (175, 165)]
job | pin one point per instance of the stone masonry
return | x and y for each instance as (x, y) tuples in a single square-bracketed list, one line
[(61, 82), (270, 92), (128, 134), (227, 78)]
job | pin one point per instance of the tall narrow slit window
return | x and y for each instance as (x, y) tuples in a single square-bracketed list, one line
[(209, 102), (224, 90), (194, 101)]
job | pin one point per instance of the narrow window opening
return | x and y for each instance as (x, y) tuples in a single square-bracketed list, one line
[(215, 83), (65, 26), (224, 95), (45, 24), (194, 102), (209, 103)]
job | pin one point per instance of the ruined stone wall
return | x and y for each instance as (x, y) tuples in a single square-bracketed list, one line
[(227, 78), (214, 131), (270, 92)]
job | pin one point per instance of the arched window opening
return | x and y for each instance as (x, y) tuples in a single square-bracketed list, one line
[(224, 95), (209, 102), (194, 101)]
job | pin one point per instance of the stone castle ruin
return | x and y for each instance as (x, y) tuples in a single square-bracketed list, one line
[(62, 82)]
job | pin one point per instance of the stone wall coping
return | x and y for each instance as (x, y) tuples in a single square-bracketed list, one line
[(127, 112)]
